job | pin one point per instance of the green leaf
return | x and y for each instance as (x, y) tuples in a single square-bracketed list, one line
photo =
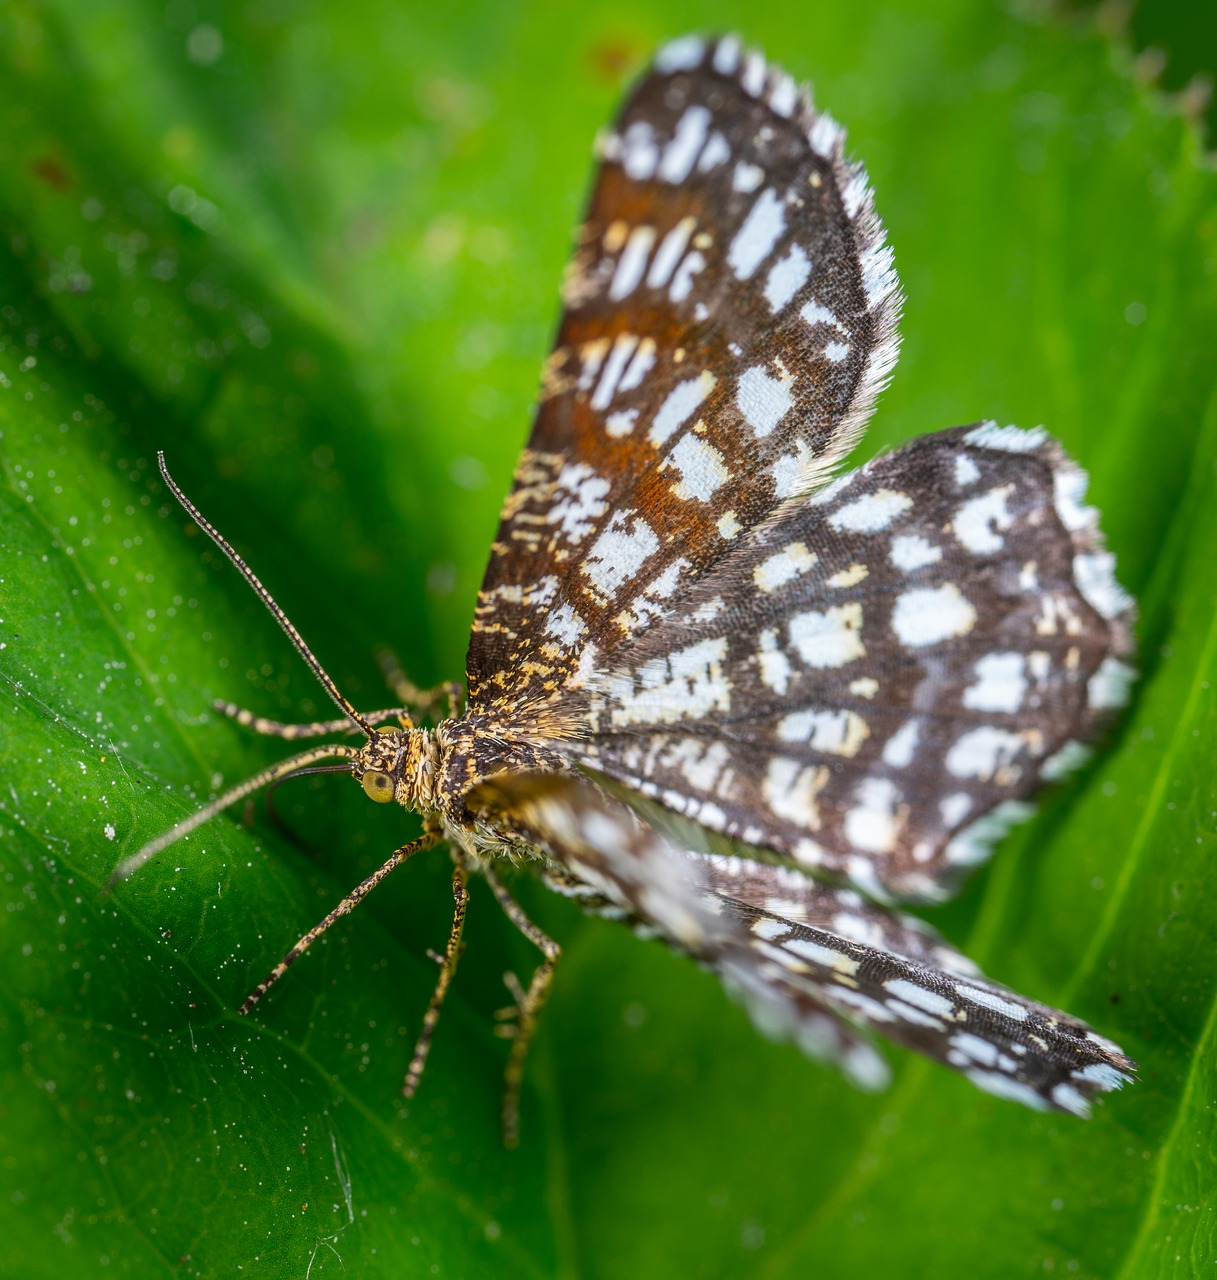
[(311, 252)]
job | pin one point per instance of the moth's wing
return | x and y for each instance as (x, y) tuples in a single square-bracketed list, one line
[(880, 676), (599, 852), (730, 316), (793, 896), (815, 964), (910, 988)]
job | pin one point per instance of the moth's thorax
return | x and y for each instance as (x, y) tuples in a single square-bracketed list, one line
[(475, 748)]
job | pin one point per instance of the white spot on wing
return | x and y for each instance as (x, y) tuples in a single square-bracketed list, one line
[(873, 824), (978, 521), (815, 314), (565, 626), (764, 401), (786, 277), (580, 501), (717, 151), (747, 177), (929, 615), (1095, 576), (639, 154), (753, 78), (680, 405), (726, 55), (790, 789), (982, 752), (639, 367), (632, 263), (702, 468), (974, 843), (614, 367), (682, 151), (682, 54), (898, 749), (790, 471), (825, 136), (685, 685), (828, 639), (1109, 685), (1007, 439), (682, 282), (990, 1000), (728, 526), (818, 953), (783, 566), (619, 552), (911, 551), (785, 96), (872, 512), (928, 1001), (839, 733), (966, 471), (755, 239), (1069, 485), (669, 252), (1001, 683), (1072, 756), (955, 808), (774, 665), (709, 611), (1003, 1086), (621, 423)]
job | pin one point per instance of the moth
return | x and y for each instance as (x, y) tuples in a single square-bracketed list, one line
[(859, 679)]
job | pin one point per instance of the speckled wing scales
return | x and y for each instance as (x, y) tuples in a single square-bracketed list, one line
[(812, 963), (876, 679), (729, 317), (865, 677), (910, 988)]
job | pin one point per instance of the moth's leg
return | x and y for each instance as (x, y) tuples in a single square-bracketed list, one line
[(317, 729), (428, 840), (521, 1021), (447, 964), (421, 701)]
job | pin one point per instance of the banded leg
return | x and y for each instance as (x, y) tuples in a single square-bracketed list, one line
[(523, 1017), (447, 963), (315, 729), (421, 701), (428, 840)]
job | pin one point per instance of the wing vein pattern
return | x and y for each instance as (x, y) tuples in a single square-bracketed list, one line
[(865, 677)]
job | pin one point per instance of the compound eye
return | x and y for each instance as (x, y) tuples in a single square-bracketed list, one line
[(378, 786)]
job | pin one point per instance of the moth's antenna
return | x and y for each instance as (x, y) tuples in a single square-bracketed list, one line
[(276, 772), (267, 599)]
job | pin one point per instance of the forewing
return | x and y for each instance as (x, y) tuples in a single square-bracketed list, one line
[(879, 677), (729, 318)]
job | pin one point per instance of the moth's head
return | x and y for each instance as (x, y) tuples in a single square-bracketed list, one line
[(397, 764), (380, 763)]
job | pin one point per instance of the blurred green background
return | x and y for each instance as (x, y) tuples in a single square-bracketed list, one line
[(311, 251)]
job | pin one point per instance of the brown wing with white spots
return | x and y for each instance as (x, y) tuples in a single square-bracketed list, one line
[(730, 317), (815, 964), (879, 677)]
